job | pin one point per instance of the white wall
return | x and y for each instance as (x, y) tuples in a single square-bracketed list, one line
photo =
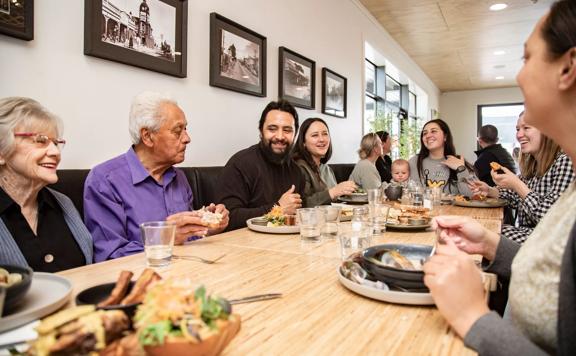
[(460, 110), (92, 95)]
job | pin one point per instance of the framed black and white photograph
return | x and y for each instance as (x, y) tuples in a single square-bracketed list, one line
[(237, 57), (17, 18), (296, 78), (333, 93), (149, 34)]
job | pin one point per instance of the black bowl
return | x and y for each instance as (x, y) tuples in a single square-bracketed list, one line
[(412, 280), (96, 294), (15, 293)]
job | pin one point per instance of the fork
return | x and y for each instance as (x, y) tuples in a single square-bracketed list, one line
[(197, 258)]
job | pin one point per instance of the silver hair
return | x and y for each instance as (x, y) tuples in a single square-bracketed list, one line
[(18, 112), (145, 112)]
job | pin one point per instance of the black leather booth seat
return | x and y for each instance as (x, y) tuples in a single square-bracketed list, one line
[(202, 181)]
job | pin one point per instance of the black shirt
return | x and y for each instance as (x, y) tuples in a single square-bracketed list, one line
[(493, 153), (251, 184), (54, 248), (384, 167)]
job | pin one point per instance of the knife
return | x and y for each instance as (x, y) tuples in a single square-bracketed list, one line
[(255, 298)]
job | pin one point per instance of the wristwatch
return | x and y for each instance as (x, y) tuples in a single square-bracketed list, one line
[(460, 169)]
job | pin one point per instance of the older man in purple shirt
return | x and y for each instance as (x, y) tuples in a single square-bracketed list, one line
[(142, 184)]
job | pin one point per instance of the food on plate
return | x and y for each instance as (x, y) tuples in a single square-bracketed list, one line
[(147, 279), (78, 331), (175, 316), (496, 167), (8, 279), (460, 198), (122, 295), (276, 217), (395, 259), (210, 219), (119, 291), (359, 191), (478, 197), (401, 214)]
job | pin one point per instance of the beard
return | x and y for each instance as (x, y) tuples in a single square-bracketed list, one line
[(277, 158)]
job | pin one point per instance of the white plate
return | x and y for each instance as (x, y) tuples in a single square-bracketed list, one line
[(395, 297), (291, 229), (47, 293)]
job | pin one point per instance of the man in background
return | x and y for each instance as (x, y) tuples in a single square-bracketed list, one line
[(491, 151)]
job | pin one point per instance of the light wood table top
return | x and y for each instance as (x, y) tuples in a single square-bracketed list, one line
[(476, 213), (316, 315)]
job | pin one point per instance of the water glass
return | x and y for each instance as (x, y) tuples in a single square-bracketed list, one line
[(378, 218), (332, 216), (158, 237), (311, 223), (374, 196), (354, 239)]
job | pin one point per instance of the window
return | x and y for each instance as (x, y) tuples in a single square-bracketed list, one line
[(390, 106), (504, 117)]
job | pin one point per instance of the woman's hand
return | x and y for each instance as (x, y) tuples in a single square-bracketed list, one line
[(453, 162), (456, 286), (467, 234), (509, 180), (479, 187), (344, 188), (188, 223)]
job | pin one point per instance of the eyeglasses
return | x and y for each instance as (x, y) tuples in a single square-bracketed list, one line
[(42, 140)]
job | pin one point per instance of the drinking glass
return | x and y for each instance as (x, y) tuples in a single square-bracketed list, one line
[(374, 196), (158, 237), (354, 238), (378, 218), (311, 223), (332, 216)]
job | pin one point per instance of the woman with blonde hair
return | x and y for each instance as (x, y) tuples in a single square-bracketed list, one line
[(545, 172), (365, 174)]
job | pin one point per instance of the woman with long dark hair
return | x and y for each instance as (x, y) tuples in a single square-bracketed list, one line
[(542, 271), (312, 151), (437, 165)]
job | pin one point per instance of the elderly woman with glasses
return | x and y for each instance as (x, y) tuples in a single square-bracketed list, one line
[(365, 174), (39, 227)]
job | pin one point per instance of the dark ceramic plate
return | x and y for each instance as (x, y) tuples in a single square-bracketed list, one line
[(96, 294), (15, 293), (403, 227), (354, 199), (403, 279)]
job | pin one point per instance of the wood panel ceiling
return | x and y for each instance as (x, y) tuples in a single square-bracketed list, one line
[(454, 41)]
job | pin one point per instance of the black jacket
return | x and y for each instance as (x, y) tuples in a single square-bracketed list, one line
[(493, 153)]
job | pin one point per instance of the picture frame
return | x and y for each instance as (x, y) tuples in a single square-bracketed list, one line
[(17, 19), (148, 34), (237, 57), (334, 93), (296, 78)]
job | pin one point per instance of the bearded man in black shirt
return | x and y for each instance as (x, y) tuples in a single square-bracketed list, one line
[(263, 175)]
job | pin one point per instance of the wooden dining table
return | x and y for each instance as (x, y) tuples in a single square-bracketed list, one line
[(316, 314)]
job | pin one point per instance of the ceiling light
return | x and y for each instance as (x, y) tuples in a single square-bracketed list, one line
[(498, 7), (499, 77), (499, 53), (499, 66)]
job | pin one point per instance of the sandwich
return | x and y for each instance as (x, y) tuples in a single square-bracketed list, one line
[(496, 167), (210, 219), (79, 331)]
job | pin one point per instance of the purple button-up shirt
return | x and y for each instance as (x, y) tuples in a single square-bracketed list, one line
[(120, 194)]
